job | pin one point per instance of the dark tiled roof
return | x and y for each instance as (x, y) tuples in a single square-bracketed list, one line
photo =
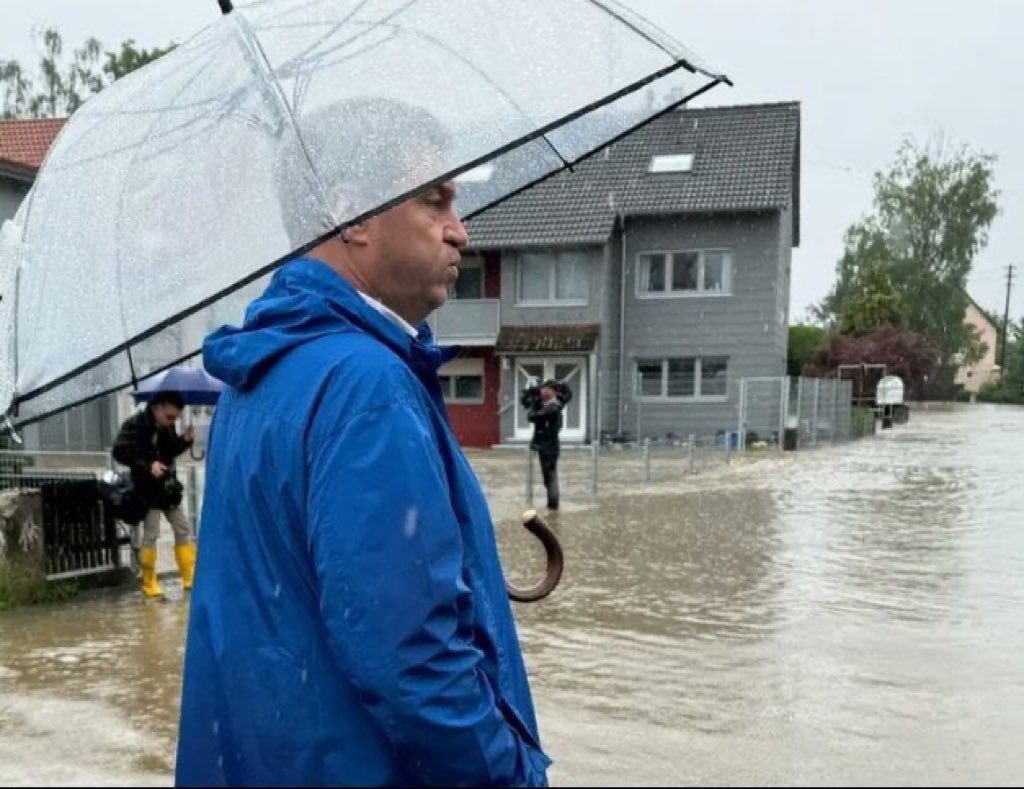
[(24, 143), (560, 339), (746, 158)]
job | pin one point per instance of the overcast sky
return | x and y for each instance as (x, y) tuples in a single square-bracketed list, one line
[(867, 74)]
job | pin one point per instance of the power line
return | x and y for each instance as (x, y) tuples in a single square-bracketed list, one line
[(1006, 316)]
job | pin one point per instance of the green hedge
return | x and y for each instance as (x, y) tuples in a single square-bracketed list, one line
[(20, 585), (1001, 393), (863, 421)]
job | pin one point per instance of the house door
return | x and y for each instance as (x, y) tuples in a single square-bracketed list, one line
[(572, 370)]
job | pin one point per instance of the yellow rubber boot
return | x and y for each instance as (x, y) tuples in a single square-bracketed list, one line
[(147, 560), (186, 556)]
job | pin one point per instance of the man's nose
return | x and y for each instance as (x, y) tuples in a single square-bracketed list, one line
[(456, 234)]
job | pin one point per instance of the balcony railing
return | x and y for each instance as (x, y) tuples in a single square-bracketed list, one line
[(467, 322)]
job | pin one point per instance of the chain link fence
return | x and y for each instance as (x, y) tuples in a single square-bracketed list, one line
[(642, 444)]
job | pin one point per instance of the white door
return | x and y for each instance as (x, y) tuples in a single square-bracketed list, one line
[(572, 370)]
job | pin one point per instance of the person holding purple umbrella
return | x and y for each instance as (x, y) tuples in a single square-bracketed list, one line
[(148, 444)]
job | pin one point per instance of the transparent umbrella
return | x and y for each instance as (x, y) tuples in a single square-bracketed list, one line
[(169, 196)]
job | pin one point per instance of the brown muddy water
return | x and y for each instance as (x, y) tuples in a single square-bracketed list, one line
[(846, 615)]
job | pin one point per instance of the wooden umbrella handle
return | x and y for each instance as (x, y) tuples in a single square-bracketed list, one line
[(536, 525)]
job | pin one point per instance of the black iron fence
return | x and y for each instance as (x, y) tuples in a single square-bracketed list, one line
[(79, 537)]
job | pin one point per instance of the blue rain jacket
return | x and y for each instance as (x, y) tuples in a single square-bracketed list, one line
[(349, 622)]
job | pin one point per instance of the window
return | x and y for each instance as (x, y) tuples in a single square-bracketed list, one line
[(470, 284), (79, 429), (684, 273), (559, 277), (648, 375), (462, 381), (671, 163), (682, 378), (713, 376)]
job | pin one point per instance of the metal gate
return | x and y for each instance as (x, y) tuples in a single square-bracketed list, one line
[(79, 537)]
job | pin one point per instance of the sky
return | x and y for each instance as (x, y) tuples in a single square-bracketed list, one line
[(867, 75)]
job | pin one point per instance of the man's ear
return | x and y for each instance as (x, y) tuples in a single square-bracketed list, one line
[(357, 234)]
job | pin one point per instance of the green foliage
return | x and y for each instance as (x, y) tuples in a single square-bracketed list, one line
[(22, 586), (1010, 388), (907, 263), (59, 87), (863, 421), (804, 341), (130, 58)]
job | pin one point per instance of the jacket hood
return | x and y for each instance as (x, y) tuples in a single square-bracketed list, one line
[(304, 301)]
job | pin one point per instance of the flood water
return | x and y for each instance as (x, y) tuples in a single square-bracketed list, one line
[(846, 615)]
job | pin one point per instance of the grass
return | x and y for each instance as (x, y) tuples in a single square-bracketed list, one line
[(20, 586)]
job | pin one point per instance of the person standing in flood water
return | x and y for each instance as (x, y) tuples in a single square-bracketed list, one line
[(544, 410), (350, 624), (148, 444)]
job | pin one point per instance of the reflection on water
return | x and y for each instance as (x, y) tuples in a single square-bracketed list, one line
[(848, 615)]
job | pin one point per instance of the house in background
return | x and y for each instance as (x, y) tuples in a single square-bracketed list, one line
[(23, 146), (651, 279), (972, 377)]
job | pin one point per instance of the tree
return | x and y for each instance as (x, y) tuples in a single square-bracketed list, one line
[(911, 356), (907, 263), (16, 87), (131, 58), (59, 88), (1010, 387), (804, 341)]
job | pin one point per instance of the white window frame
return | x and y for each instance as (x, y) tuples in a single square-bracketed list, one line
[(463, 368), (552, 300), (664, 397), (700, 292)]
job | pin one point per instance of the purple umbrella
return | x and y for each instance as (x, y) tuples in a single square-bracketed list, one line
[(194, 384)]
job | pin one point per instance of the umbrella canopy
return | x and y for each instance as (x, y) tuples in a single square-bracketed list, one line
[(168, 196), (194, 384)]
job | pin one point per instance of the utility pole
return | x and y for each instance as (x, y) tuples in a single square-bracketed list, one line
[(1006, 321)]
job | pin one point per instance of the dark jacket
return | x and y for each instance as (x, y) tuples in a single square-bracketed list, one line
[(547, 422), (138, 444), (349, 623)]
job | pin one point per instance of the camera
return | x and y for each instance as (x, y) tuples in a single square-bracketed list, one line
[(530, 397)]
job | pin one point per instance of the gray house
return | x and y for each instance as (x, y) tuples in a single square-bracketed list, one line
[(653, 278)]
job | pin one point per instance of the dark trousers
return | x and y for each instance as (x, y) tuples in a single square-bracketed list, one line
[(549, 470)]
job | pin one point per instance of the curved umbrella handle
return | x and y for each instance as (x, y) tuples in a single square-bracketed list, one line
[(536, 525)]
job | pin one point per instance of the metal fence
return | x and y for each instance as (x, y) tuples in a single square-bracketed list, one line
[(79, 541), (769, 413)]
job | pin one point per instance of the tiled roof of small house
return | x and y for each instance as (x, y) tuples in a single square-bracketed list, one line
[(24, 143)]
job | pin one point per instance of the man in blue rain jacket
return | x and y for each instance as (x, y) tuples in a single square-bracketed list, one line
[(349, 621)]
